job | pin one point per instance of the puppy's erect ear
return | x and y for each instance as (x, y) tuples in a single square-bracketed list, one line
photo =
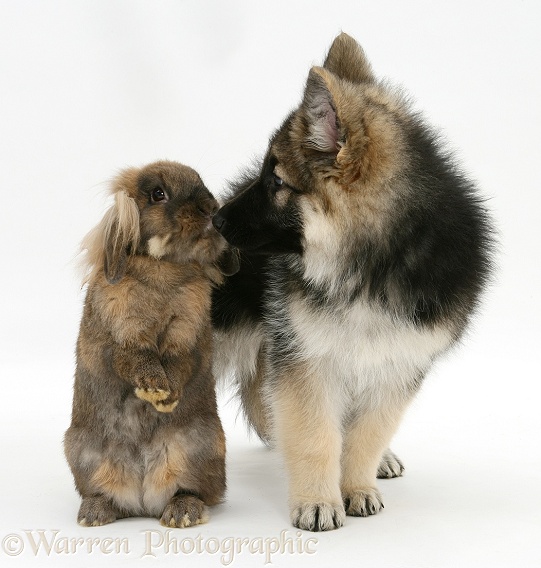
[(121, 236), (346, 59), (319, 106)]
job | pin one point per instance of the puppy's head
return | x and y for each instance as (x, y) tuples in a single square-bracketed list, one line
[(162, 211), (326, 167)]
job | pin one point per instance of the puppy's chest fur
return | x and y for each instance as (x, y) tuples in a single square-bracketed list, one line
[(357, 346)]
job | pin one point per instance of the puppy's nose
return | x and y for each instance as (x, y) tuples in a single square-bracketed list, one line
[(219, 222)]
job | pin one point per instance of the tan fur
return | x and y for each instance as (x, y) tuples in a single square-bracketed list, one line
[(362, 453), (310, 440), (112, 479), (165, 475), (365, 441), (320, 455)]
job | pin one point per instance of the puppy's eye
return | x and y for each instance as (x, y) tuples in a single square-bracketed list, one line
[(158, 194), (278, 181)]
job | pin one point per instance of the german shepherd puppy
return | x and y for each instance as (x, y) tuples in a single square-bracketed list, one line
[(364, 250)]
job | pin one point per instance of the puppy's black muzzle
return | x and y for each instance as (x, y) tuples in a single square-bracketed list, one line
[(251, 222)]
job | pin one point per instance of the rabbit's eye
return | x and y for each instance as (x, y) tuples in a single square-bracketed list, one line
[(158, 194)]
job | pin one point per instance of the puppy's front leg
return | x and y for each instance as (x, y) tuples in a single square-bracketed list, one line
[(309, 436), (365, 443)]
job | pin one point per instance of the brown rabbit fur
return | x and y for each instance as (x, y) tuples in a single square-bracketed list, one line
[(145, 437)]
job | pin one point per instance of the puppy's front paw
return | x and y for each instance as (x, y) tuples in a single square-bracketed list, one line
[(390, 466), (162, 400), (184, 511), (363, 502), (95, 511), (318, 516)]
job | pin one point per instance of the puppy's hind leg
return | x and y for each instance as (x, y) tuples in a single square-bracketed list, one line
[(254, 405), (390, 466)]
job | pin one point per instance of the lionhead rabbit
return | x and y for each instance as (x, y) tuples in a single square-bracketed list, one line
[(145, 438)]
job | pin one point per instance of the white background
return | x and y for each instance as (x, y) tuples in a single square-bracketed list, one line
[(90, 87)]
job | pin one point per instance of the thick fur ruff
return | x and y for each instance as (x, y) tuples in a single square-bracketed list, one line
[(364, 251), (145, 437)]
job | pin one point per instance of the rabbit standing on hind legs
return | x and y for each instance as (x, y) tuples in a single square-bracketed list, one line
[(145, 437)]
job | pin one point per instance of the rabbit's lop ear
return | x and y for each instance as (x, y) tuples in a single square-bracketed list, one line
[(121, 236), (107, 246), (115, 257), (229, 262)]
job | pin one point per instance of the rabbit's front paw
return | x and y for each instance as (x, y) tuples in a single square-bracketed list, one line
[(167, 405), (151, 394), (162, 400)]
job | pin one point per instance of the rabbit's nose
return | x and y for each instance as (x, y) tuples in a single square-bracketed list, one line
[(208, 207)]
